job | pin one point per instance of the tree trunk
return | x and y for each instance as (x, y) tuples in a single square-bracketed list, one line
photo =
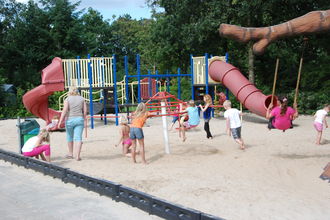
[(251, 63)]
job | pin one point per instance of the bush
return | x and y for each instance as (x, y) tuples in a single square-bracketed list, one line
[(309, 102)]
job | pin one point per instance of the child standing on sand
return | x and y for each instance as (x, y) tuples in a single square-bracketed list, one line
[(124, 135), (233, 123), (320, 119), (193, 120), (140, 116), (207, 110), (35, 146)]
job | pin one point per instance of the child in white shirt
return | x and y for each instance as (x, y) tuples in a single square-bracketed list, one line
[(233, 123), (53, 125)]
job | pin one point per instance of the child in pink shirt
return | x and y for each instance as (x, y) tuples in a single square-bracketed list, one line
[(282, 116)]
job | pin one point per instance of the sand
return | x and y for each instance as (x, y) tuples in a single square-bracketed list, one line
[(276, 177)]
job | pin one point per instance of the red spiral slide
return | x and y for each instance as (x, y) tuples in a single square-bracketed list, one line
[(36, 100), (246, 92)]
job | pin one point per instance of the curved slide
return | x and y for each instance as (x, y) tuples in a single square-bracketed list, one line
[(245, 91), (36, 100)]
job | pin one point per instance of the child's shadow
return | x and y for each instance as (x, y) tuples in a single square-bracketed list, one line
[(325, 141), (254, 119), (60, 161), (155, 157), (218, 135)]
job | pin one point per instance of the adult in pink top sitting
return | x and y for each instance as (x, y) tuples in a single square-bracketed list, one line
[(281, 116)]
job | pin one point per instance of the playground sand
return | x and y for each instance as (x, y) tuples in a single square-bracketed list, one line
[(276, 177)]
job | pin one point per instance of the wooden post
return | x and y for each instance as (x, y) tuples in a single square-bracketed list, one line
[(275, 79)]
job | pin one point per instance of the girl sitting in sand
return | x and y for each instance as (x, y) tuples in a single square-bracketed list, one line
[(35, 146), (140, 116), (124, 135)]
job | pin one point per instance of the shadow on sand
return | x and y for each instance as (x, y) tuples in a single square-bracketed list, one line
[(297, 156)]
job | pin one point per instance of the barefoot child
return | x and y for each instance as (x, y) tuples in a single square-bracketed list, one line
[(320, 119), (53, 125), (35, 146), (124, 135), (233, 123), (193, 120), (207, 110), (175, 117), (140, 116)]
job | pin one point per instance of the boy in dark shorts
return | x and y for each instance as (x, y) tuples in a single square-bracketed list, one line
[(233, 123)]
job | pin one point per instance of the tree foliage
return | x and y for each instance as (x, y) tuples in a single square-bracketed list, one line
[(32, 34)]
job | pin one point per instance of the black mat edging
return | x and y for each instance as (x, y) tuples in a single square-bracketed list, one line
[(115, 191)]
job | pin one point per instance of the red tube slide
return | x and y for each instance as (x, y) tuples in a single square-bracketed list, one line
[(245, 91), (36, 100)]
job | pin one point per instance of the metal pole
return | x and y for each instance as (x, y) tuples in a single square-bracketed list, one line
[(105, 97), (179, 83), (157, 89), (126, 79), (139, 76), (115, 88), (227, 91), (105, 92), (165, 130), (206, 73), (90, 80), (149, 84), (20, 139), (78, 71), (167, 82)]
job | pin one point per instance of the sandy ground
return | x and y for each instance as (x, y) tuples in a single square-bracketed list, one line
[(276, 177)]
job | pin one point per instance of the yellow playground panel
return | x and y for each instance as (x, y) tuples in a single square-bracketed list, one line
[(199, 70), (76, 72)]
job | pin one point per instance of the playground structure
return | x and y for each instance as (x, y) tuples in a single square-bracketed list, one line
[(96, 78)]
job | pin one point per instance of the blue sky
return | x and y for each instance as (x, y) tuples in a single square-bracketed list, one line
[(136, 8)]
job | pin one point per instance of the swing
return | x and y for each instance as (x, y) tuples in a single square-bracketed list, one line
[(270, 123)]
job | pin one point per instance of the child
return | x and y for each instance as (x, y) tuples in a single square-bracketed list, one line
[(233, 123), (207, 110), (193, 120), (140, 116), (53, 125), (35, 146), (281, 117), (175, 117), (320, 119), (124, 135)]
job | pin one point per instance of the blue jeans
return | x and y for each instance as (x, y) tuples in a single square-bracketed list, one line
[(136, 133), (74, 128)]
